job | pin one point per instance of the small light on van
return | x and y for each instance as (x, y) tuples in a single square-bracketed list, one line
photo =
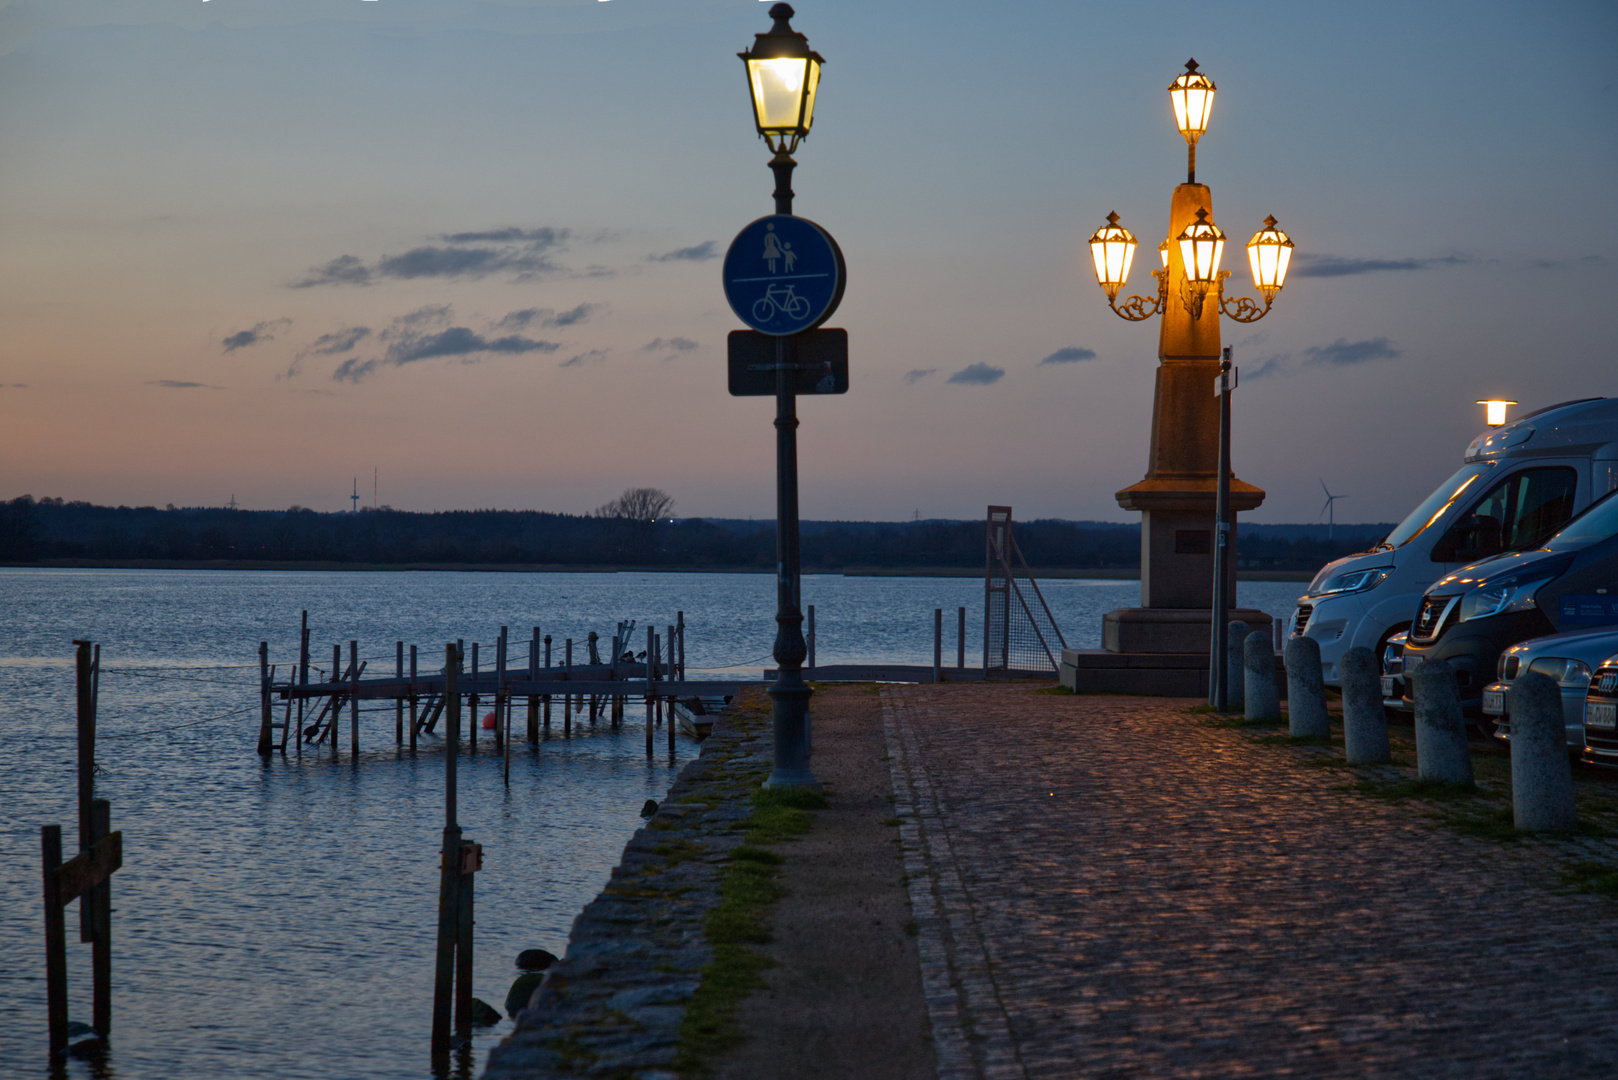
[(1494, 410)]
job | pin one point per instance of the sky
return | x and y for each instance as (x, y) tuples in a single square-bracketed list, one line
[(261, 248)]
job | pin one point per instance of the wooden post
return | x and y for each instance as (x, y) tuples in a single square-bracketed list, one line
[(938, 644), (303, 673), (651, 708), (547, 700), (353, 703), (413, 718), (263, 696), (500, 690), (679, 623), (87, 767), (98, 902), (472, 699), (533, 699), (337, 695), (50, 843), (449, 886), (463, 944), (960, 642), (567, 699), (398, 702)]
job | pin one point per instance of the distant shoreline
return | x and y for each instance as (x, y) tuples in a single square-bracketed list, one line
[(1094, 574)]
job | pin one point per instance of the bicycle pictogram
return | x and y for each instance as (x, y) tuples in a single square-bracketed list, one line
[(780, 299)]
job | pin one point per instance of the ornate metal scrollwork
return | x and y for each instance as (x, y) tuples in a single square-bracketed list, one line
[(1245, 308), (1134, 307)]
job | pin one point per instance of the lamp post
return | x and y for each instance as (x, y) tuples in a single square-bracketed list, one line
[(783, 75), (1186, 524)]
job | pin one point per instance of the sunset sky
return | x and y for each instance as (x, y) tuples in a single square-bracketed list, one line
[(262, 247)]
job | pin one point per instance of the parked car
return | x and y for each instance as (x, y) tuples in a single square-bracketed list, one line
[(1471, 617), (1519, 484), (1601, 715), (1568, 659)]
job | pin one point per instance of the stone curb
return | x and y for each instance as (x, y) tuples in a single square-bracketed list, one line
[(612, 1007)]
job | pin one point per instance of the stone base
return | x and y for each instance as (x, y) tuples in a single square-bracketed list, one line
[(1098, 671), (1169, 631)]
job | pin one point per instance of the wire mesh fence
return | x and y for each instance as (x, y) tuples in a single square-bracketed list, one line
[(1019, 633)]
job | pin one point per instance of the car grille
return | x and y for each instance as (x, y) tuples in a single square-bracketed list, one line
[(1428, 620), (1604, 685), (1301, 619)]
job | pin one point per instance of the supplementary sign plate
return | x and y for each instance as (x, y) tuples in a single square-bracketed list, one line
[(784, 275), (819, 359)]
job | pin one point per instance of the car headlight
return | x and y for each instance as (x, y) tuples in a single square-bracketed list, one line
[(1352, 581), (1499, 597), (1572, 674)]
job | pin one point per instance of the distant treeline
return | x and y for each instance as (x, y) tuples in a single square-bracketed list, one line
[(50, 529)]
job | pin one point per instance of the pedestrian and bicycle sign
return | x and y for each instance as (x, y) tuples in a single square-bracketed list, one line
[(784, 275)]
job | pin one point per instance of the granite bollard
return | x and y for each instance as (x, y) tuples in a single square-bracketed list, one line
[(1235, 667), (1541, 778), (1441, 750), (1365, 724), (1306, 691), (1263, 701)]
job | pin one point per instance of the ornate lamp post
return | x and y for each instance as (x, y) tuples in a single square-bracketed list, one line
[(783, 74), (1179, 496)]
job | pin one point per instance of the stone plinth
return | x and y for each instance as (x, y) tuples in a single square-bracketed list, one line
[(1170, 630)]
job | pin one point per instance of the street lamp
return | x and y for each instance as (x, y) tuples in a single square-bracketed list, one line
[(1494, 410), (783, 75), (1188, 498)]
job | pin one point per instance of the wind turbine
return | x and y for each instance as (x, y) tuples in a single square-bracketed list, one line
[(1328, 508)]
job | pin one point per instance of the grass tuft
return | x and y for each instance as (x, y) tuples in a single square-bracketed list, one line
[(1591, 876), (1440, 790)]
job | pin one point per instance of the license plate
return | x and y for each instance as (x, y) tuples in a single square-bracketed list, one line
[(1387, 685), (1602, 714), (1494, 702)]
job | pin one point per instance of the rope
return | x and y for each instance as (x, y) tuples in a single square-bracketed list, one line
[(176, 727), (172, 678)]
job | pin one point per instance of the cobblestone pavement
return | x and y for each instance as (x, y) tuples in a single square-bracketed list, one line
[(1107, 887)]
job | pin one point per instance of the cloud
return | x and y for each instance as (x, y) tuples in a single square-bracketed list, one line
[(260, 333), (1072, 354), (1307, 265), (177, 384), (548, 317), (583, 358), (338, 341), (1340, 353), (461, 341), (918, 373), (14, 386), (977, 375), (708, 249), (1583, 262), (679, 344), (424, 334), (525, 253)]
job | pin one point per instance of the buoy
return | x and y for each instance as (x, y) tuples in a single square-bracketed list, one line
[(489, 722)]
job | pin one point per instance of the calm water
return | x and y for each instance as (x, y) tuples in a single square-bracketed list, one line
[(276, 919)]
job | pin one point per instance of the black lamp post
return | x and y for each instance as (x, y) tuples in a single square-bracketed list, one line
[(783, 74)]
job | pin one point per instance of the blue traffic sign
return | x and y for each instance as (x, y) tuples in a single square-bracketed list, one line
[(784, 275)]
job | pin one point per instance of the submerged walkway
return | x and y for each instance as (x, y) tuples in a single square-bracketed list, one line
[(1107, 887)]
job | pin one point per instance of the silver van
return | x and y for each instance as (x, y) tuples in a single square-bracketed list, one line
[(1520, 483)]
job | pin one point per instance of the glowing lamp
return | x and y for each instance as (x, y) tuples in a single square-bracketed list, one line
[(1494, 410), (1113, 249), (1192, 95), (1268, 253), (783, 74), (1202, 245)]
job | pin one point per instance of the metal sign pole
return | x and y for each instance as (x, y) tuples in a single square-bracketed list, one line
[(1219, 693), (789, 693)]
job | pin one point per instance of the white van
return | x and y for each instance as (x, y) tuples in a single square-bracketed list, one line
[(1521, 482)]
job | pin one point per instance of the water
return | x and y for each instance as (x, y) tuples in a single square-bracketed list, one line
[(276, 918)]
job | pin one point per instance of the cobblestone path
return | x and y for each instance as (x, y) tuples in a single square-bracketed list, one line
[(1106, 887)]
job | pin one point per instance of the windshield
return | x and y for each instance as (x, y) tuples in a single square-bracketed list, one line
[(1436, 503), (1598, 523)]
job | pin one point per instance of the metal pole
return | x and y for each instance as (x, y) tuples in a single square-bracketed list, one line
[(1219, 691), (450, 867), (938, 644), (790, 693), (960, 643)]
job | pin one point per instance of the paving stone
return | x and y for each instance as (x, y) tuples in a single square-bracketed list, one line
[(1106, 887)]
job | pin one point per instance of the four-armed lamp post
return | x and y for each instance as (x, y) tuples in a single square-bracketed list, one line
[(1188, 497)]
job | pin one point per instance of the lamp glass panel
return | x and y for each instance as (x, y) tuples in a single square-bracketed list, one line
[(1163, 253), (1192, 104), (778, 91), (1201, 254), (1112, 250)]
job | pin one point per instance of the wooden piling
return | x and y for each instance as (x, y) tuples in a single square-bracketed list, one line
[(502, 710), (353, 704), (337, 695), (567, 699), (449, 886), (98, 901), (264, 707), (398, 702), (533, 676), (50, 843), (472, 701), (413, 718), (679, 625), (651, 701)]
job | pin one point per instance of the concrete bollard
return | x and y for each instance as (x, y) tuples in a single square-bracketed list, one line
[(1365, 724), (1541, 778), (1441, 750), (1262, 700), (1306, 692), (1235, 667)]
